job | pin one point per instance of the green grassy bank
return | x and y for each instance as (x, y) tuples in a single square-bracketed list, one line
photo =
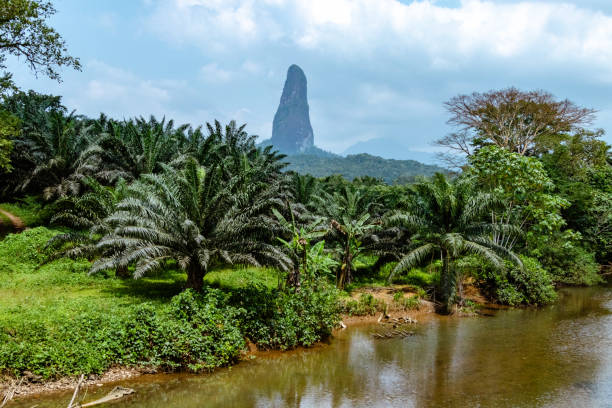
[(57, 320)]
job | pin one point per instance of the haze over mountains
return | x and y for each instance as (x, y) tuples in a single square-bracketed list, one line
[(292, 134)]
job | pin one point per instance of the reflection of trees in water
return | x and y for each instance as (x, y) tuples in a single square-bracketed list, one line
[(519, 358)]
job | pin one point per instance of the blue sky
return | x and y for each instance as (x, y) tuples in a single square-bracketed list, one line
[(378, 70)]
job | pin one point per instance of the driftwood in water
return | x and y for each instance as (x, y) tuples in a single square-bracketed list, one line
[(76, 392), (115, 394), (391, 333)]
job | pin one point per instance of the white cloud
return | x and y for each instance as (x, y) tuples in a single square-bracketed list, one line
[(121, 93), (388, 28)]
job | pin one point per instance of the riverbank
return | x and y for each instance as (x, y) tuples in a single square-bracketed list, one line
[(393, 315), (57, 322), (32, 385)]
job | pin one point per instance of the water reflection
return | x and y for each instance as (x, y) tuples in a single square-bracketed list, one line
[(557, 356)]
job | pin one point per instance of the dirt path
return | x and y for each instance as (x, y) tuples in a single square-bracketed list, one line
[(18, 224)]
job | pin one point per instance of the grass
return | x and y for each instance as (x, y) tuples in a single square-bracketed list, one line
[(33, 290), (242, 277), (57, 320), (419, 279)]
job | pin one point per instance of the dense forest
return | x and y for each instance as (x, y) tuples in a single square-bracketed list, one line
[(150, 243)]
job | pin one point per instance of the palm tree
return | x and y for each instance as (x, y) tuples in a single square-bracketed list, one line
[(56, 150), (304, 188), (448, 220), (129, 149), (86, 216), (46, 149), (298, 243), (197, 218), (351, 225)]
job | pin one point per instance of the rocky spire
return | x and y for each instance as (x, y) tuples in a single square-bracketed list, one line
[(291, 130)]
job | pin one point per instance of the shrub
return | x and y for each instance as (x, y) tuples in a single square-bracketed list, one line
[(565, 259), (24, 250), (277, 319), (530, 285), (195, 332)]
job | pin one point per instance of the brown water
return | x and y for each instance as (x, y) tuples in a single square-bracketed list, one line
[(559, 356)]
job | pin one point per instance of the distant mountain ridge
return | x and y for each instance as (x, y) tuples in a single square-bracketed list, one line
[(389, 148), (359, 165)]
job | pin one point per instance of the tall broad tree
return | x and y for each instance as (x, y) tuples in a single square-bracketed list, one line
[(522, 122), (24, 33)]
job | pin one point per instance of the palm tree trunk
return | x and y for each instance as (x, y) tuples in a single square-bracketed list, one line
[(195, 277), (293, 279), (122, 272), (345, 275), (447, 283)]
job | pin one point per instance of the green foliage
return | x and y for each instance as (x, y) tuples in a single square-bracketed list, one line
[(9, 129), (522, 186), (25, 33), (563, 256), (583, 176), (31, 210), (365, 305), (57, 320), (24, 251), (230, 278), (195, 332), (287, 319), (447, 220), (351, 226), (130, 148), (529, 285), (407, 303), (197, 219), (46, 155)]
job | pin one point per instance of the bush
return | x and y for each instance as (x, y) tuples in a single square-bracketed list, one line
[(530, 285), (565, 259), (25, 250), (407, 303), (195, 332), (283, 320), (417, 277)]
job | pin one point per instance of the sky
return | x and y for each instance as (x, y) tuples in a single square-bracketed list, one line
[(378, 71)]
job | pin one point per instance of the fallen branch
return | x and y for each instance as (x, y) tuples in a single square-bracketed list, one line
[(76, 391)]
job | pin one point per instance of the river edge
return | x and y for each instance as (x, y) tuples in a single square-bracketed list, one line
[(33, 387)]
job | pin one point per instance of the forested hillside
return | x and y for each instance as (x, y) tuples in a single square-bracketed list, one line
[(360, 165)]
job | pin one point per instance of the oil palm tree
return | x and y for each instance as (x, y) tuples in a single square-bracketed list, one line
[(447, 220), (55, 151), (86, 216), (298, 242), (351, 227), (129, 149), (195, 217)]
